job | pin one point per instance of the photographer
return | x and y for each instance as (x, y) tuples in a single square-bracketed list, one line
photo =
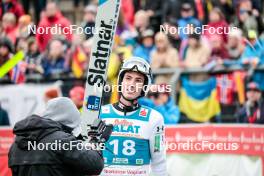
[(60, 122)]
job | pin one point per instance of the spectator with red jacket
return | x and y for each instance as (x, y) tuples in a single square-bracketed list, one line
[(52, 17), (219, 52), (128, 11), (217, 24), (11, 6), (10, 29)]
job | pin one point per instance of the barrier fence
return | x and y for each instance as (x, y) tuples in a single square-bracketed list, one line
[(196, 149)]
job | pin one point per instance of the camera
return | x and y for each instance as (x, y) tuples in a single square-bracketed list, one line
[(99, 132)]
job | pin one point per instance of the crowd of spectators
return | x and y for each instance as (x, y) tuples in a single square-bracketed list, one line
[(138, 33)]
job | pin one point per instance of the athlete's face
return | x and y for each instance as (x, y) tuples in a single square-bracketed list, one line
[(132, 85)]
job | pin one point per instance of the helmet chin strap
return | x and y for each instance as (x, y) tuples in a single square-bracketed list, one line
[(126, 108)]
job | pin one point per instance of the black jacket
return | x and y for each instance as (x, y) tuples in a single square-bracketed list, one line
[(25, 162)]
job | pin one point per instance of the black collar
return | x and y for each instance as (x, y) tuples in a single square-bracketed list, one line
[(120, 107)]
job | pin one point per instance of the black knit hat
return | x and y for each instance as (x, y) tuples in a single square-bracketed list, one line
[(194, 36), (7, 43)]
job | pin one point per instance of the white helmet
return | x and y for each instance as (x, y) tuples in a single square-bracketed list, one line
[(136, 64)]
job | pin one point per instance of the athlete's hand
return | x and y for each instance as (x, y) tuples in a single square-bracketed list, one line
[(107, 133)]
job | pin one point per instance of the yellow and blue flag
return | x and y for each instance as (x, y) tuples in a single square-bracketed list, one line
[(198, 100)]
